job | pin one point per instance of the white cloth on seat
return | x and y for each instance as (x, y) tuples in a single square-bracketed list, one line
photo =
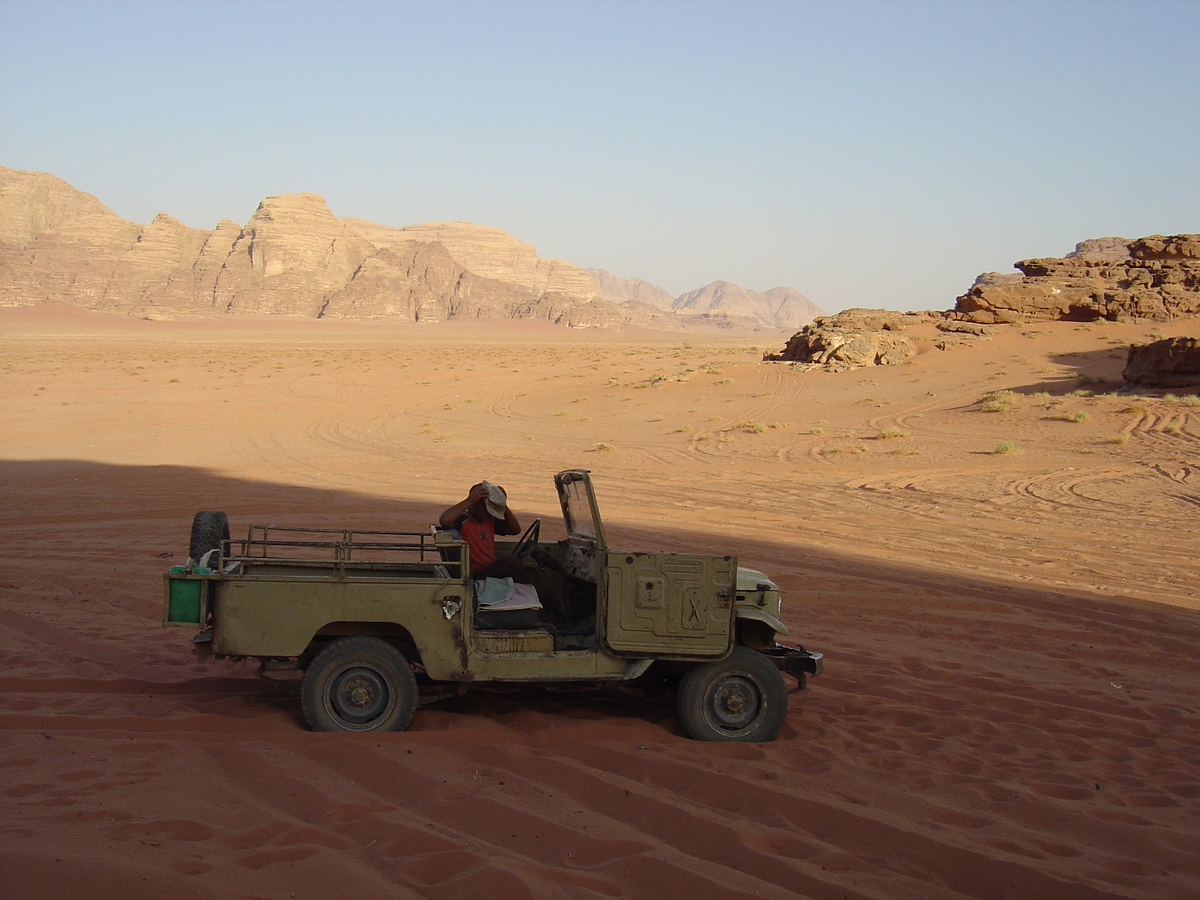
[(495, 594)]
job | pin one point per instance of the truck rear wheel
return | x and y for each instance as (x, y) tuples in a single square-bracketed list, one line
[(740, 698), (359, 684), (209, 529)]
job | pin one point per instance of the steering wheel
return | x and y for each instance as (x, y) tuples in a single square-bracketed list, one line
[(529, 540)]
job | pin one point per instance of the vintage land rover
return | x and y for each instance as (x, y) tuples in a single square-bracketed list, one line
[(380, 622)]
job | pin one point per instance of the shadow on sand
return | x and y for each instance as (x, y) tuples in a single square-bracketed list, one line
[(72, 526)]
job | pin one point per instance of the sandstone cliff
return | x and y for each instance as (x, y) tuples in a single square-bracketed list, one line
[(1153, 277), (294, 257), (33, 202)]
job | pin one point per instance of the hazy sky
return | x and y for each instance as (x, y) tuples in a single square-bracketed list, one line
[(865, 153)]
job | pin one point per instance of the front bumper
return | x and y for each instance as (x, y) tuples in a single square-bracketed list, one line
[(796, 661)]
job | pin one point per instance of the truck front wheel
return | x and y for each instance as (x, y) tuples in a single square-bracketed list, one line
[(740, 698), (359, 684)]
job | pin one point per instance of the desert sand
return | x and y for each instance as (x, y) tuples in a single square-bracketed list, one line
[(1012, 639)]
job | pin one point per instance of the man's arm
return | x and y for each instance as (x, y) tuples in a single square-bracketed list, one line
[(511, 525), (453, 513)]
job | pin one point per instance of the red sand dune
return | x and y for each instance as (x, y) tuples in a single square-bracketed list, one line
[(1005, 712)]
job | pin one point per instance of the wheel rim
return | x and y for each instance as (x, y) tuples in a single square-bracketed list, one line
[(735, 704), (359, 695)]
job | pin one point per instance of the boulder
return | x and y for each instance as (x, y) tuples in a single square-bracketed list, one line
[(850, 339), (1169, 363)]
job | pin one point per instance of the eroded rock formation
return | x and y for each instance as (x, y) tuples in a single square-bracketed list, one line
[(1170, 363), (852, 338), (1155, 278)]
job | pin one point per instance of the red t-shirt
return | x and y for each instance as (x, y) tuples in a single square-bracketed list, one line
[(481, 538)]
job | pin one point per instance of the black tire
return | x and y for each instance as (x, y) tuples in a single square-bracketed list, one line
[(209, 529), (740, 698), (359, 684)]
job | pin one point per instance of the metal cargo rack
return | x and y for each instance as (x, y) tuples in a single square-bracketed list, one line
[(345, 548)]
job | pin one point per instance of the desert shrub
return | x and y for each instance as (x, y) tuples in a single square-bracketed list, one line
[(600, 448), (893, 432), (1121, 438), (816, 430), (844, 448), (752, 427), (1080, 417), (1006, 447)]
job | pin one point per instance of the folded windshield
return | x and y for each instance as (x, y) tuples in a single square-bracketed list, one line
[(578, 503)]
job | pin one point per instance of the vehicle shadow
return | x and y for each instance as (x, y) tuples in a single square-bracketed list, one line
[(75, 532)]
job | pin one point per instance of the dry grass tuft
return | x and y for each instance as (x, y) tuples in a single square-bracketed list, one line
[(996, 401)]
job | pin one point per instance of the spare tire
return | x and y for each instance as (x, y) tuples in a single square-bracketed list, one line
[(209, 530)]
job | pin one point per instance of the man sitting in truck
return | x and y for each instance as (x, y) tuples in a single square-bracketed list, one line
[(479, 518)]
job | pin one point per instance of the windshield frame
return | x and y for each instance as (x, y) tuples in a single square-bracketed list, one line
[(581, 515)]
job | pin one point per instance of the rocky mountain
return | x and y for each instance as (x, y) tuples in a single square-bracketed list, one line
[(294, 257), (630, 290), (1156, 277), (780, 306)]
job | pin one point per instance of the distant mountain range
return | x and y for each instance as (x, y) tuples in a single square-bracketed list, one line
[(294, 257)]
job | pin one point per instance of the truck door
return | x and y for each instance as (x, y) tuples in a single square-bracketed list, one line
[(668, 604)]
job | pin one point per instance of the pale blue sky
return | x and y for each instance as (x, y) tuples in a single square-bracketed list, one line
[(865, 153)]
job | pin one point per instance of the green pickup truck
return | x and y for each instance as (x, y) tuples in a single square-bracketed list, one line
[(380, 622)]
